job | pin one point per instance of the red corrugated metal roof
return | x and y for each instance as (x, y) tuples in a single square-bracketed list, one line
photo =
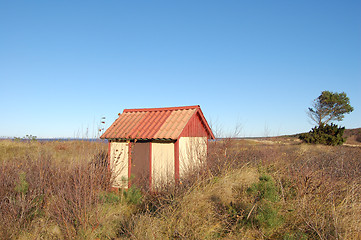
[(154, 123)]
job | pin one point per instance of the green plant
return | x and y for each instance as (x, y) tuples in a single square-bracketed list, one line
[(325, 134), (264, 189), (295, 236), (30, 138), (264, 213), (27, 138), (110, 197), (133, 195), (22, 185)]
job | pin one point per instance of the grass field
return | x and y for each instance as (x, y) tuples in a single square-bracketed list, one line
[(264, 189)]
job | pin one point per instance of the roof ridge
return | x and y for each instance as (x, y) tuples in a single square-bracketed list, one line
[(161, 109)]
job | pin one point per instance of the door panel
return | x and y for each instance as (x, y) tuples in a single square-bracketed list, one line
[(140, 165)]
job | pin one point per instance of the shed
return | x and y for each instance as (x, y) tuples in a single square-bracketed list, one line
[(156, 145)]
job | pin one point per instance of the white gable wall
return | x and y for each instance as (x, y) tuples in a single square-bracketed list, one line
[(119, 164), (162, 164), (192, 153)]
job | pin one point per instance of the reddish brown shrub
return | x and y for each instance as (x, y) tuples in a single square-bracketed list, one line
[(41, 187)]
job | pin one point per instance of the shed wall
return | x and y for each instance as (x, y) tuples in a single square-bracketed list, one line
[(162, 164), (119, 164), (192, 153)]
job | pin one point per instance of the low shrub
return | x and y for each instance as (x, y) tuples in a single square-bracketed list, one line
[(325, 134)]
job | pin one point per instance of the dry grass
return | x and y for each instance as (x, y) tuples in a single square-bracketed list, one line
[(249, 190), (317, 190), (353, 136), (40, 186), (197, 213)]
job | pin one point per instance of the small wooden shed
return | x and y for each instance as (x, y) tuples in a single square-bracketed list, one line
[(158, 145)]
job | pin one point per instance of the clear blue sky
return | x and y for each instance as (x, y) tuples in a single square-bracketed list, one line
[(256, 64)]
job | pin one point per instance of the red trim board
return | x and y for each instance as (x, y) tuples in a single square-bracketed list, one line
[(129, 163), (176, 162), (150, 166)]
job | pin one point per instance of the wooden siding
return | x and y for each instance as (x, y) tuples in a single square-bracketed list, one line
[(192, 154), (194, 127), (140, 166), (162, 164), (119, 164)]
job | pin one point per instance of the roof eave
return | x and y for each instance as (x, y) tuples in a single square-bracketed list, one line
[(140, 139)]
